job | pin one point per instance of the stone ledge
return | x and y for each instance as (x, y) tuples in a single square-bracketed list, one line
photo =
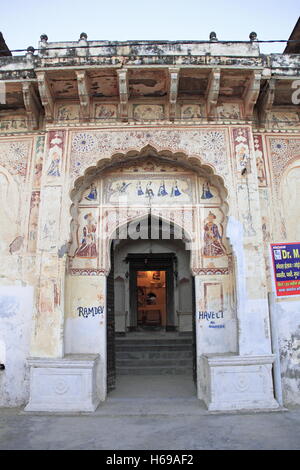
[(67, 384), (238, 383)]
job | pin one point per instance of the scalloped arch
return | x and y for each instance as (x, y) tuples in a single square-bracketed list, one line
[(181, 158)]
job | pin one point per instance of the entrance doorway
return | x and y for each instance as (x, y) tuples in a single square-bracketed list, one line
[(151, 299), (152, 309), (151, 291)]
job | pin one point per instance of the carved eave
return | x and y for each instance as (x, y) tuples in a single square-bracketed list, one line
[(46, 95), (84, 95), (265, 101), (32, 105), (173, 91), (123, 93), (212, 92), (251, 94)]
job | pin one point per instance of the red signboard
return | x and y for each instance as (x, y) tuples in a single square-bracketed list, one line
[(286, 264)]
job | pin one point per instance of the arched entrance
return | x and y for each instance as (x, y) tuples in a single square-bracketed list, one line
[(117, 203), (150, 302)]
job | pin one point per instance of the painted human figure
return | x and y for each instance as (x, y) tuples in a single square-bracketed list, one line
[(140, 192), (88, 247), (53, 169), (162, 189), (212, 239), (92, 196), (206, 194), (149, 191), (55, 153), (175, 191), (123, 187)]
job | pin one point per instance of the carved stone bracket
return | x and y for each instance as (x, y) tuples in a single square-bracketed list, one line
[(212, 92), (265, 101), (251, 94), (124, 93), (173, 91), (84, 95), (46, 95), (32, 105)]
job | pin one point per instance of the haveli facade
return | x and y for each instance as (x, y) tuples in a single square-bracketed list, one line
[(99, 137)]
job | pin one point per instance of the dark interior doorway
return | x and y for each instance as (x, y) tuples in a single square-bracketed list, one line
[(151, 285)]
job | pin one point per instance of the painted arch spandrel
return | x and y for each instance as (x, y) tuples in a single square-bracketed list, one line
[(290, 196)]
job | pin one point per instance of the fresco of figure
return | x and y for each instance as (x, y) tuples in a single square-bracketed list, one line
[(149, 190), (175, 191), (92, 196), (140, 191), (206, 194), (55, 155), (162, 189), (88, 246), (212, 239)]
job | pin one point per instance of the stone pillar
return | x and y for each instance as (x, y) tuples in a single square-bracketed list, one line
[(245, 234), (243, 380)]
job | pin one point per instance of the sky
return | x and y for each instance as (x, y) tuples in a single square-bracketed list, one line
[(22, 22)]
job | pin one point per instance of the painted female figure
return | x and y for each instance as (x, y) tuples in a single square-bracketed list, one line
[(175, 191), (140, 192), (162, 189), (53, 169), (206, 194), (92, 196), (88, 247), (149, 190), (212, 239)]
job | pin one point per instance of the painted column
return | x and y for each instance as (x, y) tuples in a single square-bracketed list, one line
[(47, 337), (246, 238)]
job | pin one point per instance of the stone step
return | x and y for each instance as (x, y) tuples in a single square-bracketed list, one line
[(153, 355), (154, 342), (153, 348), (153, 363), (163, 370)]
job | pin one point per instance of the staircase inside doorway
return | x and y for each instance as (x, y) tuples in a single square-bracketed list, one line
[(154, 353)]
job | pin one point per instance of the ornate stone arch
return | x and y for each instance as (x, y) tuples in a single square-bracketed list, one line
[(118, 160)]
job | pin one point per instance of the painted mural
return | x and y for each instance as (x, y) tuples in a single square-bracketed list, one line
[(68, 112), (229, 111), (153, 188), (87, 237), (212, 247), (192, 111), (283, 120), (38, 166), (55, 154), (14, 155), (33, 221), (241, 147), (143, 112), (105, 111), (260, 161), (13, 124)]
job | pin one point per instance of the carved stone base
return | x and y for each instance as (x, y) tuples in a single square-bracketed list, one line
[(63, 385), (238, 382)]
